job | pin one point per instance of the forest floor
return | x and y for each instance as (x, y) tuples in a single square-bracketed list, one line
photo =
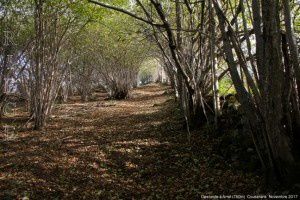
[(104, 149)]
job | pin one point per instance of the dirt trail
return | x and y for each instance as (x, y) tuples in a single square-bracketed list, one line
[(131, 149)]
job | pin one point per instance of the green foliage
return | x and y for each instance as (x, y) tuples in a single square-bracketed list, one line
[(148, 70), (226, 86)]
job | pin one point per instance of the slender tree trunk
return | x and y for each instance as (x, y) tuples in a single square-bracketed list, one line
[(215, 81)]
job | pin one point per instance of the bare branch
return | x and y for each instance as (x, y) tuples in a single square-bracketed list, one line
[(125, 12)]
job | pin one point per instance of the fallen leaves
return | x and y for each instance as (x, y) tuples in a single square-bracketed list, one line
[(117, 150)]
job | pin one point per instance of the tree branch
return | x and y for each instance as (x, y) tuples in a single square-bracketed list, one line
[(125, 12)]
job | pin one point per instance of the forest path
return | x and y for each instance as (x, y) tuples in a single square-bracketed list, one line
[(107, 149)]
